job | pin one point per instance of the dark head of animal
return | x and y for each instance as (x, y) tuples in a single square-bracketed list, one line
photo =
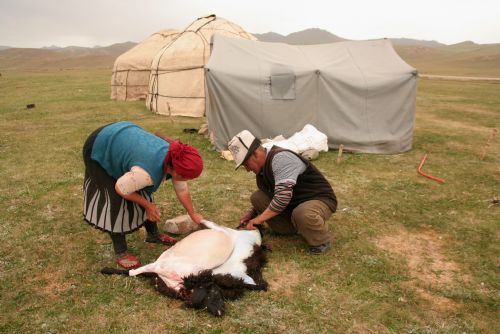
[(209, 297), (205, 293)]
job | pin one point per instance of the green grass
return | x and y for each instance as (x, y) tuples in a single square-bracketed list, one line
[(410, 255)]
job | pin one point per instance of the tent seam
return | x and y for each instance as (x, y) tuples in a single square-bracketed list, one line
[(365, 111), (317, 72)]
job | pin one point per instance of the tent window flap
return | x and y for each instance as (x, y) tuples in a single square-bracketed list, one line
[(283, 86)]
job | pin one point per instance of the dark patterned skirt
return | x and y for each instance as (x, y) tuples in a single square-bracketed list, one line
[(102, 206)]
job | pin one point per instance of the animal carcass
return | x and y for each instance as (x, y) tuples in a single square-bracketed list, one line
[(207, 267)]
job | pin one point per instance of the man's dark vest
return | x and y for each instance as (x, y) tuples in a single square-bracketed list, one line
[(311, 185)]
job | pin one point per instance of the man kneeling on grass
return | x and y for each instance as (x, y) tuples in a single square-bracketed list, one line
[(293, 196)]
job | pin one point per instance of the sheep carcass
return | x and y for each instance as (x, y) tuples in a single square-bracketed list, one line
[(207, 267)]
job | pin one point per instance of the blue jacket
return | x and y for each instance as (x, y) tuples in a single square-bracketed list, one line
[(120, 146)]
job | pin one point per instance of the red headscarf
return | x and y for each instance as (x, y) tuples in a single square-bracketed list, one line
[(185, 160)]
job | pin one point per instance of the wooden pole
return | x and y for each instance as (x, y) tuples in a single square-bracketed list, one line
[(488, 143), (339, 155)]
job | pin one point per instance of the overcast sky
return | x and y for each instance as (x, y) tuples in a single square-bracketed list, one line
[(38, 23)]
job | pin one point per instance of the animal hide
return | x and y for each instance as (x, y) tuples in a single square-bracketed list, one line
[(207, 267)]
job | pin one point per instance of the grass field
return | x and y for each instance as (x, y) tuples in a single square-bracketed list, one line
[(410, 255)]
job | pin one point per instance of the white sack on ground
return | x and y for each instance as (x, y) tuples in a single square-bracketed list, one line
[(309, 138)]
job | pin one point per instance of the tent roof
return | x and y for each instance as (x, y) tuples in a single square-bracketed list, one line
[(191, 48), (372, 56), (140, 56)]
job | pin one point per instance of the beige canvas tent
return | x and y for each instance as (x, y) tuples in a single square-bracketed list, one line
[(176, 84), (130, 77), (361, 94)]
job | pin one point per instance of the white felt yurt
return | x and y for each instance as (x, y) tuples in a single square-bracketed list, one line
[(176, 83), (130, 77)]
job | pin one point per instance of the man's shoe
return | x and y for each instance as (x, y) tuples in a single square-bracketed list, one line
[(320, 249)]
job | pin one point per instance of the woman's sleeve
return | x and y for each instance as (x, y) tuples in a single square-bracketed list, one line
[(134, 180)]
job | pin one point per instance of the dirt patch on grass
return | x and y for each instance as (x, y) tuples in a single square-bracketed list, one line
[(427, 265), (276, 243), (449, 124), (437, 303), (363, 328), (475, 110), (460, 78), (52, 211), (51, 284), (423, 253), (284, 277)]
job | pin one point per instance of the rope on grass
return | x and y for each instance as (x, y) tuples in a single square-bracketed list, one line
[(421, 172)]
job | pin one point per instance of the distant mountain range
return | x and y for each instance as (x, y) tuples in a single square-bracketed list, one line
[(61, 57), (431, 57), (304, 37), (320, 36)]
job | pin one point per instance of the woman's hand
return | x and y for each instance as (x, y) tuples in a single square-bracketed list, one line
[(182, 191), (152, 212), (196, 217)]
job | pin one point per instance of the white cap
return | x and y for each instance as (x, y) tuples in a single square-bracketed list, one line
[(242, 146)]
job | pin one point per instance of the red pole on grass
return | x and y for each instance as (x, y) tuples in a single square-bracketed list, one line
[(421, 172)]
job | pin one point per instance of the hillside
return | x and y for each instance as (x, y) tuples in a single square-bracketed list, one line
[(61, 58), (428, 57), (304, 37), (465, 59), (320, 36)]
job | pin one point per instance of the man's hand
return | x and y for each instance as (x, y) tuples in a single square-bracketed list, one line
[(252, 222), (249, 214)]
